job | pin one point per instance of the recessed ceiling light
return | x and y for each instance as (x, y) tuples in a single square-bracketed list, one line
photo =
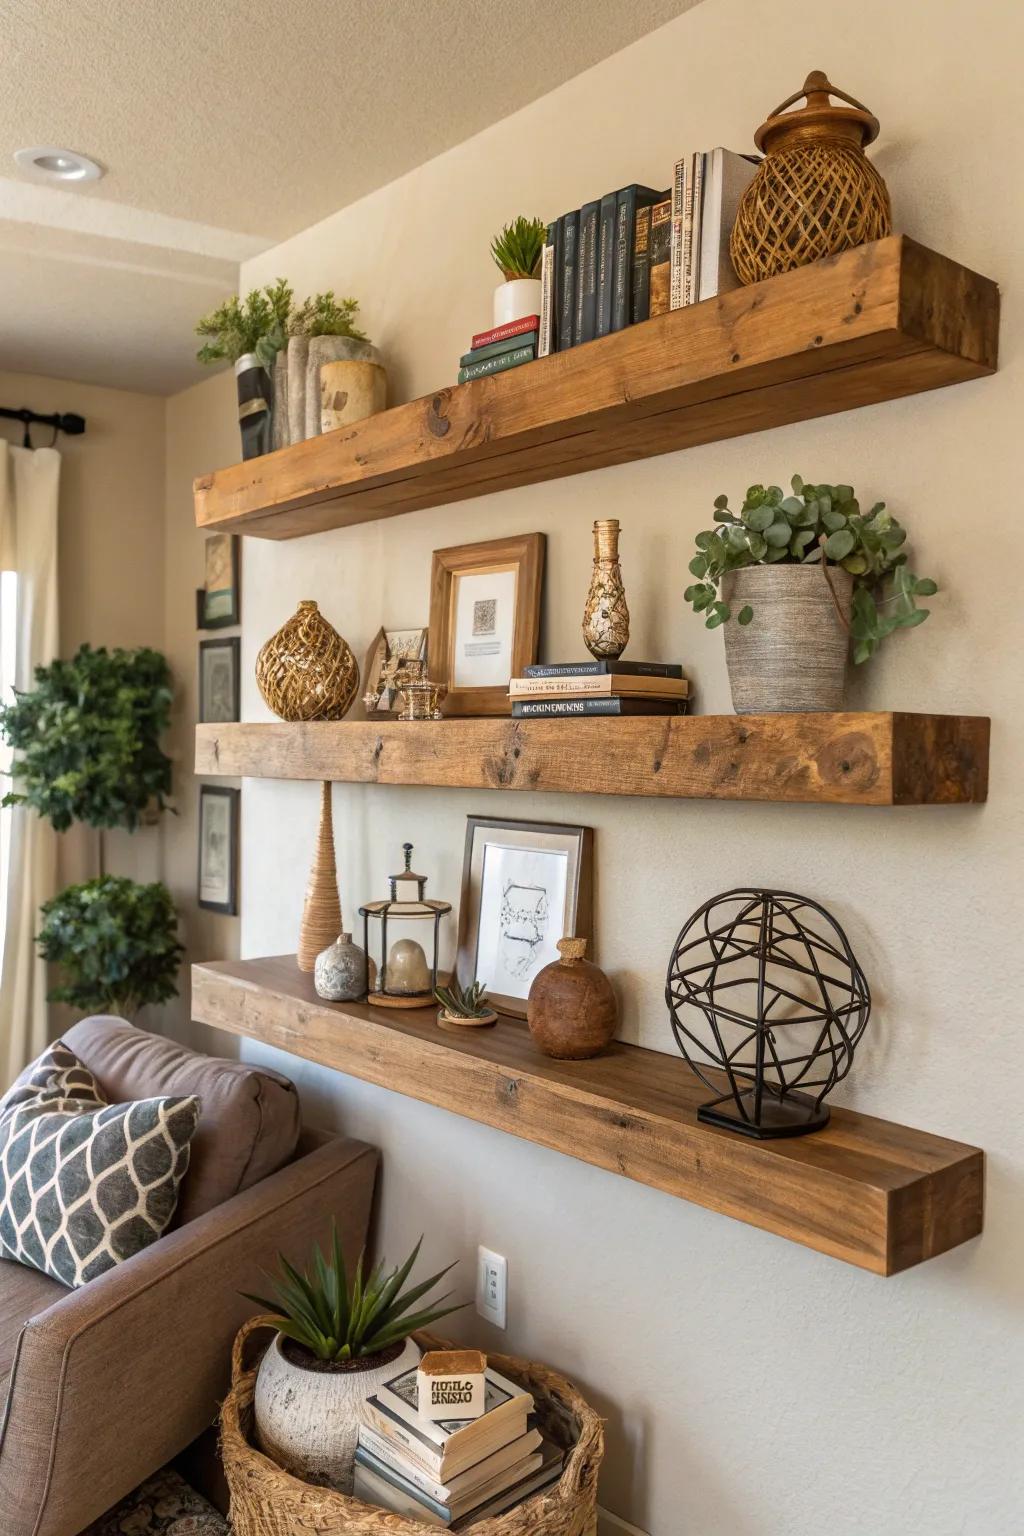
[(57, 164)]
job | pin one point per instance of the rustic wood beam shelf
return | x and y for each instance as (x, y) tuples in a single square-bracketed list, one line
[(885, 320), (877, 1195), (846, 759)]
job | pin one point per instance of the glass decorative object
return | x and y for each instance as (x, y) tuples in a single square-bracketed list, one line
[(815, 193), (406, 972), (606, 616), (307, 671), (419, 696)]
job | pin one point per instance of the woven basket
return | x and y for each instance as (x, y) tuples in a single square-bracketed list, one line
[(267, 1501), (307, 671)]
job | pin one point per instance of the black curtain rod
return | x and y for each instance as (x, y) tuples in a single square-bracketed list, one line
[(67, 422)]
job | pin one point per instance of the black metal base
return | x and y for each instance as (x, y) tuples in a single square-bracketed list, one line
[(795, 1115)]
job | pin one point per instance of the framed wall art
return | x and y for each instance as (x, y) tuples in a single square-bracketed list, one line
[(525, 885), (217, 601), (484, 620), (218, 849), (219, 681), (389, 650)]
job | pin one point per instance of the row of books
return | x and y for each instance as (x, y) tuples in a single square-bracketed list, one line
[(638, 252), (453, 1473), (564, 689)]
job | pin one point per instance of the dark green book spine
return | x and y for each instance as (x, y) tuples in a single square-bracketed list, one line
[(566, 709), (586, 273), (640, 304), (496, 348), (497, 364), (567, 242), (601, 668), (605, 264), (630, 204)]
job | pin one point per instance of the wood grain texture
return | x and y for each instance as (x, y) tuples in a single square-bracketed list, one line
[(888, 319), (874, 1194), (835, 759)]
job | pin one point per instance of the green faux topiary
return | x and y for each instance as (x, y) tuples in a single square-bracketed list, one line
[(324, 315), (87, 738), (116, 944), (258, 323)]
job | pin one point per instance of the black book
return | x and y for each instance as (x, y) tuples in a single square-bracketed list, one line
[(605, 264), (586, 273), (628, 204), (599, 668), (565, 279), (562, 709)]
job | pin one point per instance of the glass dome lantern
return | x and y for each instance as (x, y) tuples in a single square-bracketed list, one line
[(406, 977)]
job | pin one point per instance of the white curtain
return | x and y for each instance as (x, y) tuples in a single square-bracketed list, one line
[(29, 483)]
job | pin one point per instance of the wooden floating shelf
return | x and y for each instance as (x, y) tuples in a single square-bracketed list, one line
[(844, 759), (885, 320), (874, 1194)]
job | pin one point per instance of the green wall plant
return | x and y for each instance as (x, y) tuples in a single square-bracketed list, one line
[(324, 315), (115, 942), (258, 323)]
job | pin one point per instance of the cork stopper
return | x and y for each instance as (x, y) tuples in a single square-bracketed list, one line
[(571, 950), (606, 538)]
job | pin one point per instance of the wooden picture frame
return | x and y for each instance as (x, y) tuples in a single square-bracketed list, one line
[(217, 868), (220, 691), (387, 648), (533, 924), (218, 602), (484, 618)]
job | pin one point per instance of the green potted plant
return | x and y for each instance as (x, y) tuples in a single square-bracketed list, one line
[(335, 1344), (464, 1007), (115, 944), (517, 253), (249, 333), (344, 377), (796, 581)]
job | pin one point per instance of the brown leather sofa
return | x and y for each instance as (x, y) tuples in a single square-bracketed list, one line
[(107, 1383)]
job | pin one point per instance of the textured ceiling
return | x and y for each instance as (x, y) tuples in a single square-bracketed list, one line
[(223, 128)]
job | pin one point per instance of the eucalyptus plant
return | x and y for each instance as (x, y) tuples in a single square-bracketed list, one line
[(469, 1002), (115, 943), (335, 1321), (324, 315), (820, 524), (258, 323), (517, 250)]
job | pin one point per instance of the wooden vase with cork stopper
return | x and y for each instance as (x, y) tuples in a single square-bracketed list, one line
[(571, 1010)]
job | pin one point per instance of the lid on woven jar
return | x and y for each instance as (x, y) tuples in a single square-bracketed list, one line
[(818, 118)]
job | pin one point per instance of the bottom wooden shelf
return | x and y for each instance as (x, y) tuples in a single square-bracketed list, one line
[(877, 1195)]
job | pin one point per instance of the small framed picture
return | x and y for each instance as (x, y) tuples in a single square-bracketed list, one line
[(218, 849), (219, 690), (525, 885), (217, 602), (389, 651), (484, 620)]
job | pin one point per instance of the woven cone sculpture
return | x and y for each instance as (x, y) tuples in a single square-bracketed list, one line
[(321, 910)]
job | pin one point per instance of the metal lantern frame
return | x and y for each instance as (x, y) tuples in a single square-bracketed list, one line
[(776, 1086), (400, 908)]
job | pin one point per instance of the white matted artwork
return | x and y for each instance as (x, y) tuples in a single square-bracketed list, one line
[(484, 609), (218, 849), (525, 885), (484, 620)]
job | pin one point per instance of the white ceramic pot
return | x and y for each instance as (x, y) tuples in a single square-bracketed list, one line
[(516, 300), (308, 1421)]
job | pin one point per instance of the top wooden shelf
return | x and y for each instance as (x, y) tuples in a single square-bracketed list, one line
[(885, 320)]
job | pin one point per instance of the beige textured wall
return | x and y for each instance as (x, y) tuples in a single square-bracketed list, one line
[(751, 1387)]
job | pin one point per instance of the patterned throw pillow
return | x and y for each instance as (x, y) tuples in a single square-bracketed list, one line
[(85, 1184)]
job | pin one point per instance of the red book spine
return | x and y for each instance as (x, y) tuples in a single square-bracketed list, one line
[(503, 332)]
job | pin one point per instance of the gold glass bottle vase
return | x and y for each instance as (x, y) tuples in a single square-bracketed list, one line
[(606, 616)]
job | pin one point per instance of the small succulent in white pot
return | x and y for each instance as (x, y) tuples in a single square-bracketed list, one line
[(335, 1345), (517, 253), (796, 580)]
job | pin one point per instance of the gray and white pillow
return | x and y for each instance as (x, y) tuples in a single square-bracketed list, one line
[(85, 1184)]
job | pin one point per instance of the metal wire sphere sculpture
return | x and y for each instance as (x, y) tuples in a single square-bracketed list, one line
[(785, 1002)]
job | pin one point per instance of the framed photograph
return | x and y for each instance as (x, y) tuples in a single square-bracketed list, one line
[(218, 849), (390, 649), (484, 620), (525, 885), (219, 682), (217, 603)]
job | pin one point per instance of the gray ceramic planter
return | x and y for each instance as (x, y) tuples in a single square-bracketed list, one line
[(792, 655)]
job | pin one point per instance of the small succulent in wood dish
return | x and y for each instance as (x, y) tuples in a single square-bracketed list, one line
[(463, 1008)]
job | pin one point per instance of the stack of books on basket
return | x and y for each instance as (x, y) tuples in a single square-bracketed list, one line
[(451, 1471), (600, 688), (494, 351)]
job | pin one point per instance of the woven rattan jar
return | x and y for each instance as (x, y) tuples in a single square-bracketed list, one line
[(306, 671), (815, 193), (267, 1501)]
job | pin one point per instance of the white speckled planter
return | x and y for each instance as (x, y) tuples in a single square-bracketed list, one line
[(308, 1421)]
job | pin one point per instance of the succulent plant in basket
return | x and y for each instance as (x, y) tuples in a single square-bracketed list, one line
[(517, 252), (336, 1343), (464, 1008)]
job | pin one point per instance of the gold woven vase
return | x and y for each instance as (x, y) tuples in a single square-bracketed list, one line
[(815, 193), (307, 671), (606, 616)]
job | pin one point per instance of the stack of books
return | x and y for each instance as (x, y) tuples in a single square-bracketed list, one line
[(455, 1472), (569, 688), (706, 190), (506, 346)]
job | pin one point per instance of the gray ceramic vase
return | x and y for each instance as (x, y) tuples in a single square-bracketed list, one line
[(791, 657), (340, 972)]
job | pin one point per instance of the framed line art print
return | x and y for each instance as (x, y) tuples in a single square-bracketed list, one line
[(217, 603), (217, 881), (484, 620), (219, 681), (525, 885)]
